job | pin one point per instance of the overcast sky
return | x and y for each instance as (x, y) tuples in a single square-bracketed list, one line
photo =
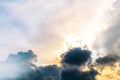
[(43, 25)]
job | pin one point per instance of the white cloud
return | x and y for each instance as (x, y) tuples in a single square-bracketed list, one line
[(109, 38), (43, 24)]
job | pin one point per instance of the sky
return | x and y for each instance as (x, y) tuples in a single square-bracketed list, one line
[(43, 25)]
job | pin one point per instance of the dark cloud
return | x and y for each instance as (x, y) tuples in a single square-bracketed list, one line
[(20, 67), (76, 56), (50, 72), (75, 74), (108, 60)]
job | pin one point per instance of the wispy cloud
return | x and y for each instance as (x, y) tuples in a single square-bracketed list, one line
[(109, 39), (42, 25)]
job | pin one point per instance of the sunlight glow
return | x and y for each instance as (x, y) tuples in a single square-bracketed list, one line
[(72, 41)]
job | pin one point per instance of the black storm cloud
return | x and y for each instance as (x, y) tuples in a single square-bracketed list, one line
[(76, 56)]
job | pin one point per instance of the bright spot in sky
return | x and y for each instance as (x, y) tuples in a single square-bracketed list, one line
[(43, 25)]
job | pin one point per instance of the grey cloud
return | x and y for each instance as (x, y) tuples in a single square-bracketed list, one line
[(19, 66), (109, 39), (78, 75), (108, 60)]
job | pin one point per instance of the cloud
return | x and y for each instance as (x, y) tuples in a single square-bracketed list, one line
[(77, 75), (19, 66), (76, 56), (108, 60), (109, 38), (50, 71), (22, 68), (42, 25)]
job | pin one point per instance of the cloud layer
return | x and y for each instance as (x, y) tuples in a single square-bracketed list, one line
[(109, 38), (22, 68), (42, 25)]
